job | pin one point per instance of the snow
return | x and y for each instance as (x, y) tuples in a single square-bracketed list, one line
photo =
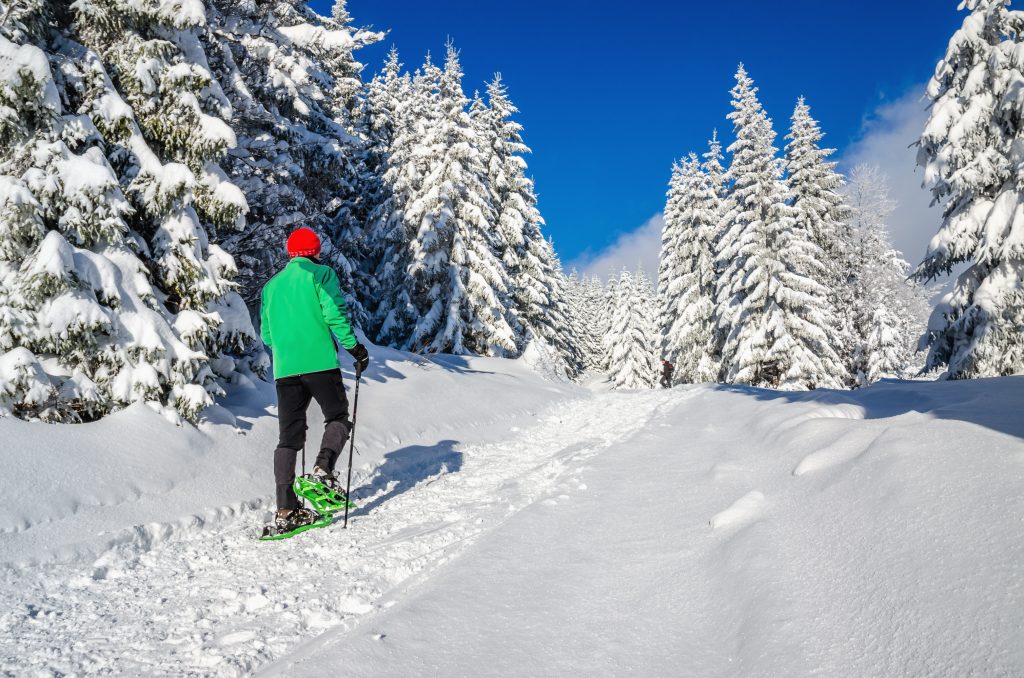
[(14, 195), (690, 547), (16, 60), (307, 36), (16, 366), (54, 259), (182, 13), (88, 173), (133, 467), (509, 524)]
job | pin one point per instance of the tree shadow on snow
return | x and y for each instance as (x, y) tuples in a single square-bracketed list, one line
[(406, 468), (991, 403), (450, 363), (382, 358)]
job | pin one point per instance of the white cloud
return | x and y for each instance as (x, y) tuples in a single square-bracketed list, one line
[(886, 142), (639, 247)]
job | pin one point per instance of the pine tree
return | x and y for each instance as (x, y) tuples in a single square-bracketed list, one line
[(553, 326), (716, 178), (970, 154), (581, 318), (458, 283), (679, 197), (110, 291), (887, 311), (292, 82), (379, 122), (632, 337), (718, 191), (534, 274), (575, 302), (609, 305), (771, 312), (819, 208), (587, 299), (687, 278), (412, 107)]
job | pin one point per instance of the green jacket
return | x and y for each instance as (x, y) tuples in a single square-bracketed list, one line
[(302, 307)]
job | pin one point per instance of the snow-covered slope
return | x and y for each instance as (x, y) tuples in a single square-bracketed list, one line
[(524, 528), (74, 491), (740, 532)]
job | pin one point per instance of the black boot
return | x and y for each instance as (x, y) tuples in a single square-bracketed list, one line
[(288, 521), (328, 479)]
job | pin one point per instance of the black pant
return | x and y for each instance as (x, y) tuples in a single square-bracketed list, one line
[(293, 396)]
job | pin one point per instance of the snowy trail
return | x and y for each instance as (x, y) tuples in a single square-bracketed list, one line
[(209, 599), (742, 533), (712, 531)]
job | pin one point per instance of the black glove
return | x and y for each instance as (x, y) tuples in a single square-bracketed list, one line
[(362, 357)]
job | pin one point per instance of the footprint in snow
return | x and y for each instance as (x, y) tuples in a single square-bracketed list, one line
[(725, 470), (354, 605), (846, 449), (743, 511), (236, 638)]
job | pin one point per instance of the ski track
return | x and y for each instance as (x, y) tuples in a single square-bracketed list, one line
[(207, 598)]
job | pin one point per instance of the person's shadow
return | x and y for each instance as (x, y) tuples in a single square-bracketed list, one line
[(406, 468)]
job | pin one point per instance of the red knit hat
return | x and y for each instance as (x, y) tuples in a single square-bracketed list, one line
[(303, 243)]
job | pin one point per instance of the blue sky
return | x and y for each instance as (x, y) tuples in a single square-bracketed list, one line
[(612, 92)]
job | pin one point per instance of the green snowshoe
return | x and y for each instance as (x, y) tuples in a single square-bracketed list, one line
[(320, 496), (295, 522)]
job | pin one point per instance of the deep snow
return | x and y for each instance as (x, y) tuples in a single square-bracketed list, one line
[(70, 492), (512, 526)]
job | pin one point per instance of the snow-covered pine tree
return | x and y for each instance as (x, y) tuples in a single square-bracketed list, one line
[(575, 303), (588, 299), (580, 317), (677, 199), (971, 153), (687, 278), (411, 103), (534, 274), (379, 116), (646, 298), (553, 327), (419, 131), (716, 178), (458, 282), (819, 208), (773, 315), (591, 350), (888, 312), (632, 337), (111, 292), (292, 82), (608, 307), (718, 190)]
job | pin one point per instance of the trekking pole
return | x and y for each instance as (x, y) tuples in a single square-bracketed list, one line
[(352, 444), (303, 499)]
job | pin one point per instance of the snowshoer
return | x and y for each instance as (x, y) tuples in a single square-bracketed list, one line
[(302, 317), (667, 369)]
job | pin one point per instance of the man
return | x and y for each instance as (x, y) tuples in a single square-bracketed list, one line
[(666, 374), (303, 314)]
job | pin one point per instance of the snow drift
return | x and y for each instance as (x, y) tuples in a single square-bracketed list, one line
[(508, 525)]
